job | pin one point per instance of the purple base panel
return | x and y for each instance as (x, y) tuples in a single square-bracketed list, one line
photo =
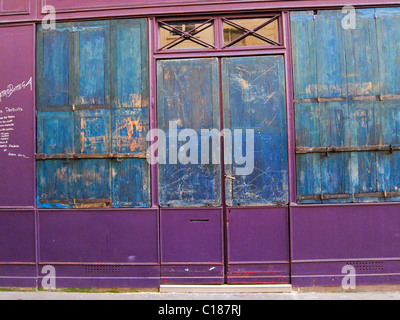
[(84, 283), (259, 274), (18, 276), (191, 236), (192, 246), (257, 239), (99, 237), (326, 239), (105, 276), (17, 237), (336, 281), (192, 274)]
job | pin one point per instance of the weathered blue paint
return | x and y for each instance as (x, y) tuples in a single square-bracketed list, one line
[(188, 93), (254, 98), (344, 65), (93, 99)]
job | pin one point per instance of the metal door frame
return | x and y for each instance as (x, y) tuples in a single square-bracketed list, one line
[(284, 50)]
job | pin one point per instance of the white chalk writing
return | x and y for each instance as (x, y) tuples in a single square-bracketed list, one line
[(11, 89)]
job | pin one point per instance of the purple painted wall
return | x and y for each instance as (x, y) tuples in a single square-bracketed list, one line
[(17, 109), (327, 238), (305, 245)]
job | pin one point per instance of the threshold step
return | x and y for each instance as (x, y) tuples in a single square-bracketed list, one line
[(212, 289)]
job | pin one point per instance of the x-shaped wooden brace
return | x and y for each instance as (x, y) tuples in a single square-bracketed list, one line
[(189, 35), (253, 32)]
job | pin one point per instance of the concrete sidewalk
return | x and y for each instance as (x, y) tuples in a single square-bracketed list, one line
[(189, 297)]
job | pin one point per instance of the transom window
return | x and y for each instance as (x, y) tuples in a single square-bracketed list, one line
[(220, 33)]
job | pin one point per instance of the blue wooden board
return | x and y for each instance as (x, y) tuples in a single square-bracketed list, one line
[(254, 98), (100, 67), (331, 62)]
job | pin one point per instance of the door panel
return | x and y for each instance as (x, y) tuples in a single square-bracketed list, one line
[(258, 246), (192, 240), (188, 95), (255, 98)]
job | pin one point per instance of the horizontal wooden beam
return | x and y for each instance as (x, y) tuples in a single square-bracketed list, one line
[(379, 97), (139, 155), (75, 201), (320, 100), (324, 197), (73, 107), (327, 150), (379, 194), (382, 97)]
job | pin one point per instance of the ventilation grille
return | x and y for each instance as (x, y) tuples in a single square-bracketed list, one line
[(368, 266), (101, 270)]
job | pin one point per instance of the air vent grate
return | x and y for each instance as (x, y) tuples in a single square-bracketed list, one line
[(102, 270), (368, 266)]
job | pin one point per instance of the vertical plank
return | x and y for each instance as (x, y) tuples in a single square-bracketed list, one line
[(334, 116), (254, 98), (130, 112), (309, 180), (389, 65), (363, 79)]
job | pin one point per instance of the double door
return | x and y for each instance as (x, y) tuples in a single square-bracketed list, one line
[(223, 178)]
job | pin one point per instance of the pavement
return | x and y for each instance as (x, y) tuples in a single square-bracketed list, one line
[(194, 297)]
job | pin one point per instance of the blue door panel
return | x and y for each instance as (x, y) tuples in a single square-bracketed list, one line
[(188, 95), (254, 99)]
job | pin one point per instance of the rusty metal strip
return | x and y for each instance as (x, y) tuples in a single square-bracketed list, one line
[(327, 150), (139, 155), (319, 197), (319, 100), (382, 97), (383, 194), (75, 201), (74, 107)]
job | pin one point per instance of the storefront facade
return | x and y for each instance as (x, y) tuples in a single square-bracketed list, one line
[(78, 102)]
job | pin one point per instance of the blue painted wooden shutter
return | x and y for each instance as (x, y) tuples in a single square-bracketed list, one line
[(340, 78), (188, 94), (255, 98), (78, 115)]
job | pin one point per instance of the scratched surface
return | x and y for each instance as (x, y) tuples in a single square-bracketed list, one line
[(330, 62), (100, 67), (254, 98), (188, 94)]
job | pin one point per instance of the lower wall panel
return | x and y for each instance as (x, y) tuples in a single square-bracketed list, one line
[(192, 248), (328, 238), (258, 246), (17, 249), (101, 248), (18, 275)]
